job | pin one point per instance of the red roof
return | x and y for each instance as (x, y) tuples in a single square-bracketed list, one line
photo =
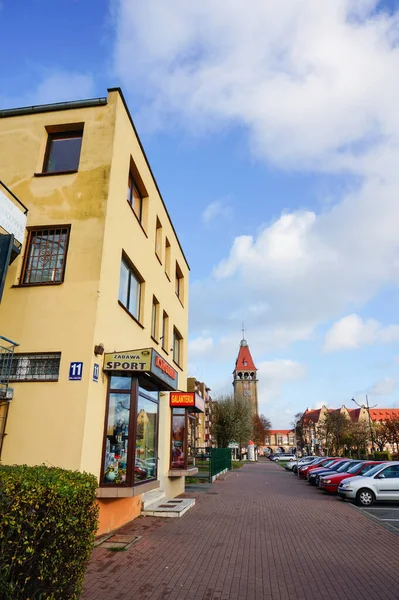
[(311, 415), (283, 431), (384, 414), (244, 359), (354, 414)]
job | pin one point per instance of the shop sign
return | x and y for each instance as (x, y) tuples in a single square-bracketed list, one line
[(187, 400), (163, 370), (131, 360), (12, 219), (145, 360)]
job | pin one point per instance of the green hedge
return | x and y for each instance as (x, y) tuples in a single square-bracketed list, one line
[(382, 456), (48, 524)]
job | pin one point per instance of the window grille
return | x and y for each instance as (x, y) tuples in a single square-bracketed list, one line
[(35, 367), (46, 256)]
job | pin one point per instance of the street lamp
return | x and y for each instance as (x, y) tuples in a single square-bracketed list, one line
[(368, 412)]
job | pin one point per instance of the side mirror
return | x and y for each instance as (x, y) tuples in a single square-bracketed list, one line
[(380, 476)]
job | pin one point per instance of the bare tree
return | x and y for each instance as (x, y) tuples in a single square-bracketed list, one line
[(261, 428)]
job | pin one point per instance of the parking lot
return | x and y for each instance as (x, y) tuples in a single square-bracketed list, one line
[(386, 514)]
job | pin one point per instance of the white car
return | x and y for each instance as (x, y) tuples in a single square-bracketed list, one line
[(306, 460), (380, 483), (283, 456)]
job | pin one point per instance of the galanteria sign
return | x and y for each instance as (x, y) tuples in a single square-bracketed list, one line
[(187, 400)]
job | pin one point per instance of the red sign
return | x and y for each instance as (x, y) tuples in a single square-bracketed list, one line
[(182, 399), (165, 367)]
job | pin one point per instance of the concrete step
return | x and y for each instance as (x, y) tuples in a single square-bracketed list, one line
[(170, 508), (150, 498)]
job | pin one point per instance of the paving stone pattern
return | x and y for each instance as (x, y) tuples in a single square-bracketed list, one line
[(259, 534)]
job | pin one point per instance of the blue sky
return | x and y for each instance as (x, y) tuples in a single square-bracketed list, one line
[(274, 136)]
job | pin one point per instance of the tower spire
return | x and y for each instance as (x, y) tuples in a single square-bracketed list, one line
[(243, 331)]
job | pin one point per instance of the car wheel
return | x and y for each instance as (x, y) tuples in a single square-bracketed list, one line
[(365, 497), (295, 470)]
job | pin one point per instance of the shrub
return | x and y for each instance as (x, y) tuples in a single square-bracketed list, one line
[(395, 456), (382, 456), (47, 529)]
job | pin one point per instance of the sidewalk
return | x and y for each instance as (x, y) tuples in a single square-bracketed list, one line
[(259, 534)]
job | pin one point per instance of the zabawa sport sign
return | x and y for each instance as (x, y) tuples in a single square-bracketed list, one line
[(144, 360)]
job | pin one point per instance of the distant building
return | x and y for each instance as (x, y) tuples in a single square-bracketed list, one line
[(245, 381), (279, 440), (203, 434)]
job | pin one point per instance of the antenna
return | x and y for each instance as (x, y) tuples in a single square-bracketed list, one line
[(243, 332)]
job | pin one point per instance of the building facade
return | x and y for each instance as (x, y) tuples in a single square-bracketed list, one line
[(279, 440), (204, 420), (245, 381), (97, 301)]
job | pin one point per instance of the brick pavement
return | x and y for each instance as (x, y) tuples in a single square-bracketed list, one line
[(260, 534)]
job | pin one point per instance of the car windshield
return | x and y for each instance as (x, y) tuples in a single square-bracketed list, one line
[(346, 466), (354, 468), (366, 469), (374, 470)]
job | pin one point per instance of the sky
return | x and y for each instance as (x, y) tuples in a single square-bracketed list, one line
[(273, 131)]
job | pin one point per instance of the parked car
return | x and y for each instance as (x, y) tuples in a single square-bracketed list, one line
[(330, 481), (281, 456), (334, 464), (306, 460), (380, 483), (321, 462)]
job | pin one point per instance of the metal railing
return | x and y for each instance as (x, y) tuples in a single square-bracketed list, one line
[(211, 462), (6, 357)]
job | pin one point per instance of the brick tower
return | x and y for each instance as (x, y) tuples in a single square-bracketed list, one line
[(245, 381)]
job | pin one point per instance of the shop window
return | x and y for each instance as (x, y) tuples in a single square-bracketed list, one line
[(130, 284), (34, 367), (45, 257), (63, 151), (131, 435), (177, 346), (165, 331), (179, 283), (158, 240), (155, 318), (167, 258), (183, 439)]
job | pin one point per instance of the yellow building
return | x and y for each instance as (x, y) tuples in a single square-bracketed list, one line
[(97, 301), (203, 434)]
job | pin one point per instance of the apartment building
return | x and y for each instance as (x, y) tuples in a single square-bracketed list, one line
[(203, 433), (97, 302)]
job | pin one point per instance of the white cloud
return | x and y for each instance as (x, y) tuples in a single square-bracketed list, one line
[(272, 375), (352, 332), (218, 210), (383, 387), (315, 86), (199, 346), (53, 86)]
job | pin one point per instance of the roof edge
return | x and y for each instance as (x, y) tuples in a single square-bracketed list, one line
[(41, 108)]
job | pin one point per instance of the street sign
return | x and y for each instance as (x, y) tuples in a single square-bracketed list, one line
[(96, 371), (75, 371)]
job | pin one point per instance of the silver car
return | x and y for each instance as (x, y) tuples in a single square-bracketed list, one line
[(380, 483), (306, 460)]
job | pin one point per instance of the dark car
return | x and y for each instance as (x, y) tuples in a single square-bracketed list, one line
[(342, 468)]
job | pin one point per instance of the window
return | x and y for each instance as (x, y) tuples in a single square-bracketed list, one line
[(131, 434), (158, 240), (165, 331), (155, 318), (167, 258), (130, 289), (183, 439), (63, 151), (179, 280), (134, 197), (177, 342), (279, 440), (45, 257), (35, 367)]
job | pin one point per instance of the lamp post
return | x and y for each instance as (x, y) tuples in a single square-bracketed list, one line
[(368, 412)]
